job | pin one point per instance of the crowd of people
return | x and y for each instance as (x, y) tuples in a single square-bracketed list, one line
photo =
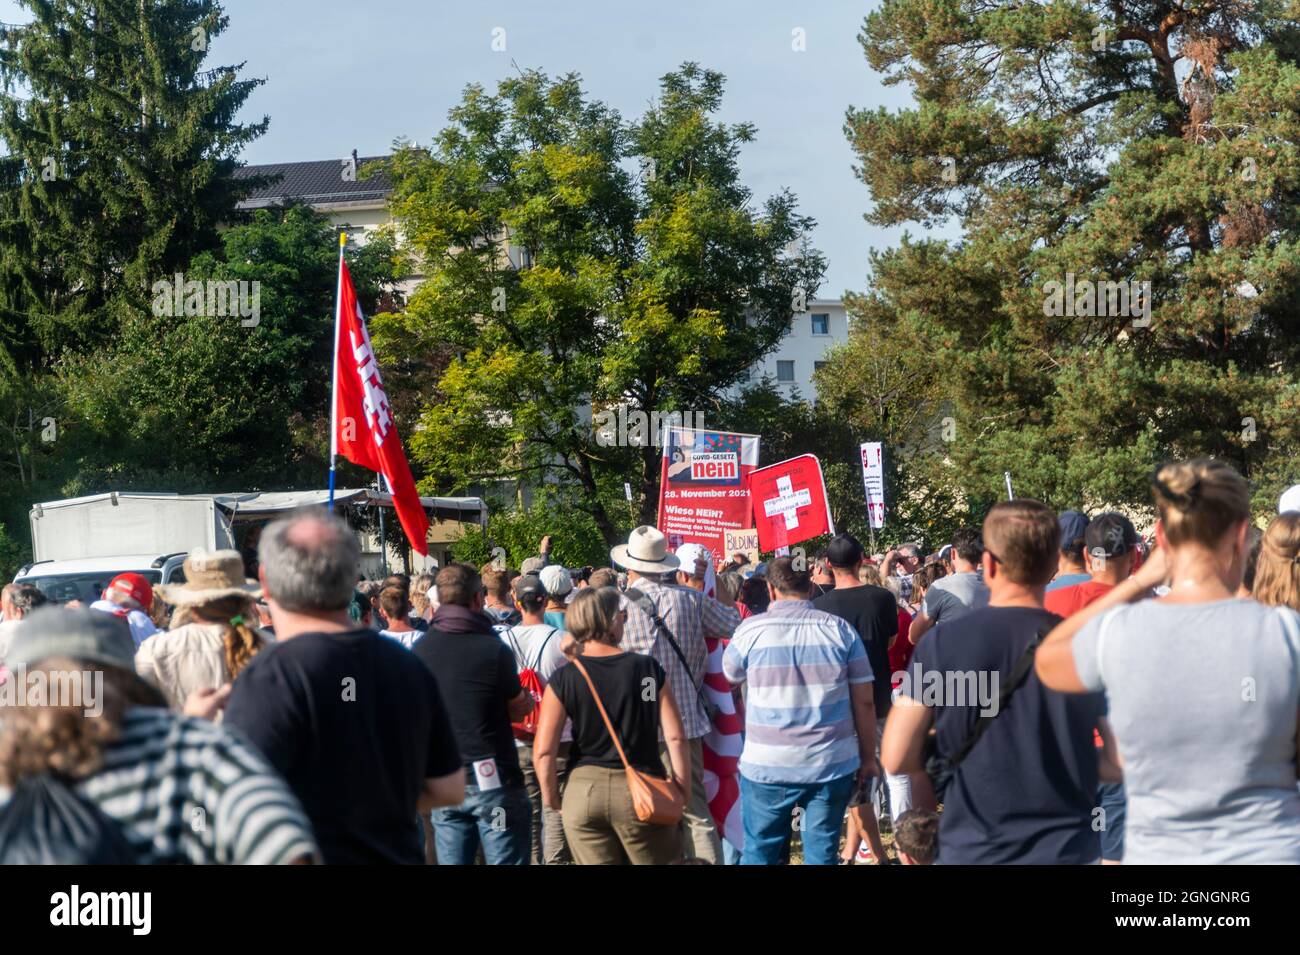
[(1046, 688)]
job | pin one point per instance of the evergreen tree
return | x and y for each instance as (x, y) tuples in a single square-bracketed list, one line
[(119, 146), (1081, 143)]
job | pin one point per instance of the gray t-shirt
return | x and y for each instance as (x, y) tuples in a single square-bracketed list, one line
[(1203, 700), (950, 597)]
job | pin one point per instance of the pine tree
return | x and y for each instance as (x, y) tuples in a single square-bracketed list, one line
[(1080, 143), (119, 151)]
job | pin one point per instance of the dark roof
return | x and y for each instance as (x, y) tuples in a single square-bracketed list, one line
[(319, 182)]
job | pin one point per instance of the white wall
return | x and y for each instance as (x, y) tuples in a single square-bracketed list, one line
[(804, 348)]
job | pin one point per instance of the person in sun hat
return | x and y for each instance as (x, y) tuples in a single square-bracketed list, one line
[(221, 634), (151, 772), (1290, 500), (130, 597), (688, 619)]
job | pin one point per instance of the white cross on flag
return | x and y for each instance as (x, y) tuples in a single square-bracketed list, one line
[(790, 499)]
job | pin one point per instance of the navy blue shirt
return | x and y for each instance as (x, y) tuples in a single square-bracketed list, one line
[(1025, 793)]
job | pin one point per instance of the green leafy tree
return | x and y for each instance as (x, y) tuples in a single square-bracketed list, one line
[(575, 262), (1092, 142), (217, 402)]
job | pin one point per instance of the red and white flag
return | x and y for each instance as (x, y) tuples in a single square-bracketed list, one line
[(364, 430)]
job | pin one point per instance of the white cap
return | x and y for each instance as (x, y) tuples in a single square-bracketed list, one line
[(1290, 500)]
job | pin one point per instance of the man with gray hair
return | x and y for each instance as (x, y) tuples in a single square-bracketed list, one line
[(16, 602), (353, 721)]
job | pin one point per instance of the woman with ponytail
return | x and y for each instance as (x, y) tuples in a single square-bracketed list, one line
[(220, 634), (1203, 685)]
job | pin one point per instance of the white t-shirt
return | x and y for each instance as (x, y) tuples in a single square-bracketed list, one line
[(406, 638), (538, 646)]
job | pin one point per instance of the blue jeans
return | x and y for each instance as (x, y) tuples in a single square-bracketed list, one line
[(501, 818), (1111, 798), (769, 813)]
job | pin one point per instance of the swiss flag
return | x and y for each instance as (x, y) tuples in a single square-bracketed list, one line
[(364, 431), (790, 502)]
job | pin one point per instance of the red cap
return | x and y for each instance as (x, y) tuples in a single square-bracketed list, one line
[(134, 586)]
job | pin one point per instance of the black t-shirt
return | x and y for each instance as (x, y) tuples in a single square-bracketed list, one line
[(1026, 791), (873, 612), (477, 675), (355, 724), (622, 682)]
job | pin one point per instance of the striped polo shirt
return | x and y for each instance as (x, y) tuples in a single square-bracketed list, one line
[(799, 662), (188, 791)]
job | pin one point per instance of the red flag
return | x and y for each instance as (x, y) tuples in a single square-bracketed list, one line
[(364, 430)]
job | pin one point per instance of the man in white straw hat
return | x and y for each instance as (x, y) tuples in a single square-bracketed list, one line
[(220, 635), (670, 623)]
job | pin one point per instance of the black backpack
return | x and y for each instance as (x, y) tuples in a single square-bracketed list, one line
[(46, 822)]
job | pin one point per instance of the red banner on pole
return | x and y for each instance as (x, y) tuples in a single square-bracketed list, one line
[(789, 501), (363, 421)]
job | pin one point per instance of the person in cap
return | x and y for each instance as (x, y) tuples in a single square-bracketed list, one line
[(540, 647), (130, 596), (695, 569), (220, 635), (1290, 500), (1070, 569), (671, 623), (1108, 552), (558, 584), (156, 774)]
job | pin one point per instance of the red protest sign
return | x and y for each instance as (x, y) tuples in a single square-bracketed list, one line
[(790, 502)]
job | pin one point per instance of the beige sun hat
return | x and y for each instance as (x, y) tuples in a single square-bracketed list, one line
[(646, 550), (209, 575)]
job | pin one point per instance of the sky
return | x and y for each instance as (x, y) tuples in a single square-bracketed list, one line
[(359, 74)]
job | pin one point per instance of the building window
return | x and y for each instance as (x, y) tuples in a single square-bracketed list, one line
[(818, 365), (821, 324), (785, 371)]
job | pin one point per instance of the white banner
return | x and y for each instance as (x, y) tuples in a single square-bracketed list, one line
[(873, 482)]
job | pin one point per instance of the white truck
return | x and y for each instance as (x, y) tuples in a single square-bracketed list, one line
[(80, 544)]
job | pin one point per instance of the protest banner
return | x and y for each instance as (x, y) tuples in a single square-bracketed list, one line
[(873, 483), (702, 488), (790, 502), (741, 542)]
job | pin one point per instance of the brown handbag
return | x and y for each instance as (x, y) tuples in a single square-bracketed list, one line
[(657, 801)]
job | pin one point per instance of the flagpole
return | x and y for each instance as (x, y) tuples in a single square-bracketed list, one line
[(334, 372)]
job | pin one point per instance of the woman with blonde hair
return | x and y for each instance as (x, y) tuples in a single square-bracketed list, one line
[(1277, 569), (1203, 686), (220, 634), (600, 823)]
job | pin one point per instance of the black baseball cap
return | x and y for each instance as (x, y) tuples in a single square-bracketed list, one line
[(1110, 535), (529, 585), (844, 552)]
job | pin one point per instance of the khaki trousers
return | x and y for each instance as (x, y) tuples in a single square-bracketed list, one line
[(601, 826), (698, 833)]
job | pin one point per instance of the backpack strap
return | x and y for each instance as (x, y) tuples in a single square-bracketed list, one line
[(542, 649), (1019, 675)]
